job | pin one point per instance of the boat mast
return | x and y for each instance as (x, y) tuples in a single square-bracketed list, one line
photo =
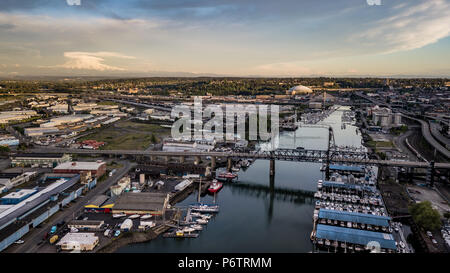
[(199, 189)]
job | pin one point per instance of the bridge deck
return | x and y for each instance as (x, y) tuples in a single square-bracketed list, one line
[(319, 156)]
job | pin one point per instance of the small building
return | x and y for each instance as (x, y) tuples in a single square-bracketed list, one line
[(97, 168), (78, 241), (27, 159), (85, 224), (141, 203)]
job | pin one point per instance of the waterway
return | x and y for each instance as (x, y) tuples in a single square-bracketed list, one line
[(252, 219)]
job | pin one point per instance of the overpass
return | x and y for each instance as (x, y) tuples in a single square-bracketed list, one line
[(426, 131)]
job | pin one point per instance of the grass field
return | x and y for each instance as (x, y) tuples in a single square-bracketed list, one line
[(128, 135), (380, 144)]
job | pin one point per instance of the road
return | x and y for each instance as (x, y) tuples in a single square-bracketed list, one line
[(36, 234), (399, 142)]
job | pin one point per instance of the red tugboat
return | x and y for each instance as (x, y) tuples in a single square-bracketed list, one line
[(215, 186)]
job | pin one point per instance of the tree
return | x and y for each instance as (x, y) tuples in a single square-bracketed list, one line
[(425, 216), (153, 139), (4, 149)]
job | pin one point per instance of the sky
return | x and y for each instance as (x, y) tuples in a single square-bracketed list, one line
[(282, 38)]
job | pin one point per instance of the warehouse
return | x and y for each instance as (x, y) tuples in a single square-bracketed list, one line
[(24, 159), (85, 224), (141, 203), (95, 205), (40, 131), (11, 180), (78, 241), (97, 168)]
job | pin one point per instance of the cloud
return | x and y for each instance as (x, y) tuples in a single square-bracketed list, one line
[(411, 26), (92, 60)]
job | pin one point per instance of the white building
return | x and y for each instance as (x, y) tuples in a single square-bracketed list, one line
[(78, 241)]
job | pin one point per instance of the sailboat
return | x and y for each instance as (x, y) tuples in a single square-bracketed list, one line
[(201, 207)]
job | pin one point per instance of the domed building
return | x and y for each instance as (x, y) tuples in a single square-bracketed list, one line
[(299, 90)]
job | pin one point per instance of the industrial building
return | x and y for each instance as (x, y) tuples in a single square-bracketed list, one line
[(11, 180), (86, 224), (141, 203), (95, 205), (8, 140), (7, 116), (48, 159), (78, 241), (97, 168)]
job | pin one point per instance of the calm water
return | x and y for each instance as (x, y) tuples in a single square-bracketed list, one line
[(253, 220)]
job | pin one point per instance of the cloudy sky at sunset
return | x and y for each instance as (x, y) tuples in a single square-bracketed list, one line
[(225, 37)]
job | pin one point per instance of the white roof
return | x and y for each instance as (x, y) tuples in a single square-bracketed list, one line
[(84, 166), (78, 237), (19, 194)]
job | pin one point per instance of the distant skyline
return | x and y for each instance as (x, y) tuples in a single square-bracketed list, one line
[(283, 38)]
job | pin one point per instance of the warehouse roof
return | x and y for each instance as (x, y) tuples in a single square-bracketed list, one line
[(35, 155), (85, 166), (346, 168), (97, 201), (141, 201), (86, 222), (334, 184), (354, 217), (78, 237), (355, 236)]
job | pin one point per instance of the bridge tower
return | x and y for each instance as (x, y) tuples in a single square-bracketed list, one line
[(430, 174), (69, 105), (331, 145)]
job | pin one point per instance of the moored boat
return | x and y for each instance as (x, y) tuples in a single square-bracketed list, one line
[(215, 186)]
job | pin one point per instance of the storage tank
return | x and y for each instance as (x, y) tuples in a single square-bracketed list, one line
[(142, 178), (116, 190), (126, 225), (124, 182)]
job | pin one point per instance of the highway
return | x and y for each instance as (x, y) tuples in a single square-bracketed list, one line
[(424, 125), (429, 138), (435, 131), (35, 235)]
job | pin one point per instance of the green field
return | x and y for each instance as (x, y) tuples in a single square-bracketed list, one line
[(128, 135)]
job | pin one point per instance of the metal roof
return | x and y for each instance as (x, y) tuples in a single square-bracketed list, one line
[(346, 168), (141, 201), (355, 236), (335, 184), (355, 217)]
